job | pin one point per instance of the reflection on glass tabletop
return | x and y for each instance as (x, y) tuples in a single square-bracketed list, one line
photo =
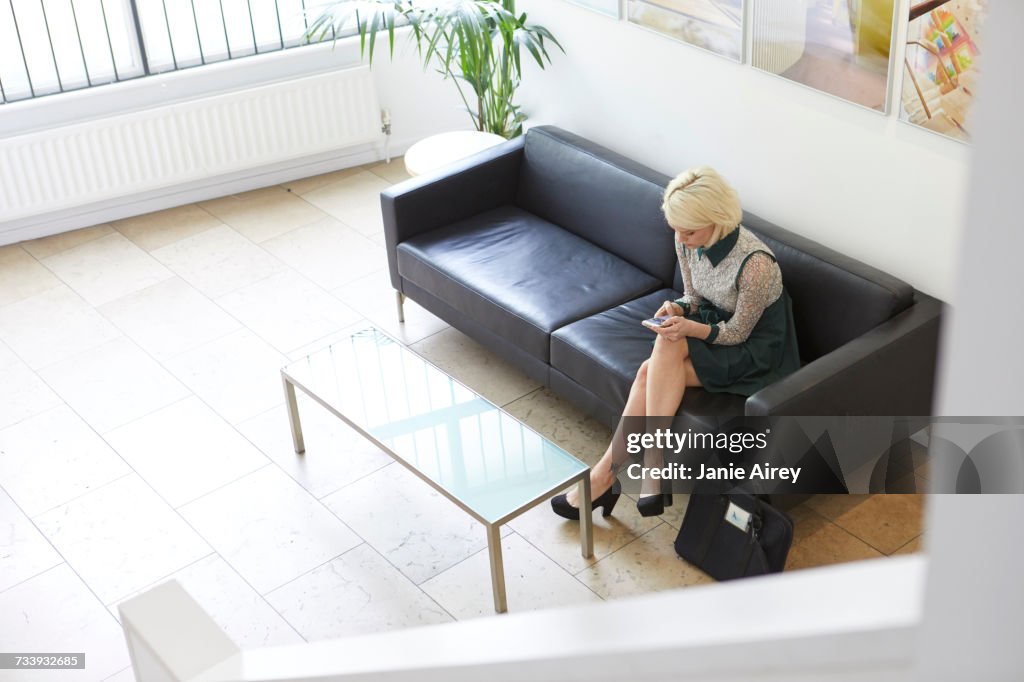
[(464, 444)]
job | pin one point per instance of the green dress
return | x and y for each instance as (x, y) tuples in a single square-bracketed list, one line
[(736, 287)]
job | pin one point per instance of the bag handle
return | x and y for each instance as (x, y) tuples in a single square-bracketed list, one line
[(754, 536)]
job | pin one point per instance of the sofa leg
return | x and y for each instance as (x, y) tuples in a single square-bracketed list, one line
[(399, 302)]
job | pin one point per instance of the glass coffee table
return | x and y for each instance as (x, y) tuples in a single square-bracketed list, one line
[(474, 453)]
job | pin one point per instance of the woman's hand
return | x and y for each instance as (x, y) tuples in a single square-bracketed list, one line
[(669, 309), (676, 328)]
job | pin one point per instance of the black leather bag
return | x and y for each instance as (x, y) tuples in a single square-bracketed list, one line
[(711, 541)]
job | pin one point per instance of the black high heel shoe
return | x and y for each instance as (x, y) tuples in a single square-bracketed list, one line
[(654, 505), (560, 505)]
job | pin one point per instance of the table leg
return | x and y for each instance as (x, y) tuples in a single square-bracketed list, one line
[(292, 406), (497, 568), (586, 518)]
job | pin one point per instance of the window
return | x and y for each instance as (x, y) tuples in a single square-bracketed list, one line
[(51, 46)]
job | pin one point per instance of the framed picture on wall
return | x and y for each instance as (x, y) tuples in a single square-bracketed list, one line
[(942, 65), (609, 7), (840, 47), (713, 25)]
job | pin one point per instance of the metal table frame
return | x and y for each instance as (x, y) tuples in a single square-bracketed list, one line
[(582, 480)]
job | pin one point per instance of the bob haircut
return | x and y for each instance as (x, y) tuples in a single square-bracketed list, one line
[(701, 198)]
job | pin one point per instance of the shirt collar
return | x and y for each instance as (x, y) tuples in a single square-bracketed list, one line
[(720, 249)]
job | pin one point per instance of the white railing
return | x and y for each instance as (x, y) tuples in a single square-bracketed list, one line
[(851, 622)]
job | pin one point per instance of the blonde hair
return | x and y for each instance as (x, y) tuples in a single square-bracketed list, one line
[(700, 198)]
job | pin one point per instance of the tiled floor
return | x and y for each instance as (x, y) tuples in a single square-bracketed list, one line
[(143, 436)]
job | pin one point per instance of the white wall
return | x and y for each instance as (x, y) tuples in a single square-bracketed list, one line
[(860, 182), (974, 609), (983, 364)]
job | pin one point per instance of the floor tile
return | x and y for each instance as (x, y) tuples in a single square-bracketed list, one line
[(335, 454), (125, 675), (475, 366), (57, 612), (121, 537), (354, 200), (245, 616), (833, 506), (185, 450), (54, 244), (264, 213), (673, 515), (238, 375), (218, 261), (373, 297), (54, 457), (886, 522), (113, 384), (7, 357), (911, 484), (560, 539), (554, 418), (416, 529), (21, 275), (913, 547), (52, 326), (169, 318), (24, 394), (269, 528), (287, 310), (354, 594), (323, 342), (106, 268), (819, 542), (648, 564), (532, 582), (393, 172), (24, 552), (921, 470), (328, 253), (306, 185), (155, 230)]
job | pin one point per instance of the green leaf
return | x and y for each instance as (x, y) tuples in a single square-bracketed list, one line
[(475, 43)]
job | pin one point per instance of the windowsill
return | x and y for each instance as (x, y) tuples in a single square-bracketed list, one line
[(19, 118)]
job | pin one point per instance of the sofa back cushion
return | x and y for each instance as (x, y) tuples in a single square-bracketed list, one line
[(604, 197), (835, 298)]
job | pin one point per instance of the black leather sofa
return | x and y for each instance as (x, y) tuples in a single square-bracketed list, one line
[(550, 250)]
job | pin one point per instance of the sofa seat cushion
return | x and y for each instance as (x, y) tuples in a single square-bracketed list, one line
[(604, 351), (519, 275)]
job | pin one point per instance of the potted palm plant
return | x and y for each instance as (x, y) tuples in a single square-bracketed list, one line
[(474, 43)]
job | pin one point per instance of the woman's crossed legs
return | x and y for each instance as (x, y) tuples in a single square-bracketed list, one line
[(657, 391)]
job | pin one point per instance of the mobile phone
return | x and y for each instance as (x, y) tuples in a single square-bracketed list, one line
[(655, 322)]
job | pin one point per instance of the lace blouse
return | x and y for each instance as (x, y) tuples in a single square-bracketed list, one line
[(738, 274)]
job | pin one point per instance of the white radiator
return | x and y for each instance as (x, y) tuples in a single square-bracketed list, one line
[(780, 34), (123, 155)]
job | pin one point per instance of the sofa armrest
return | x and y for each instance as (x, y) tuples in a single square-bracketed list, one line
[(479, 183), (889, 371)]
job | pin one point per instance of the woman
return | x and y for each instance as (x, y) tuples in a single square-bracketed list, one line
[(732, 331)]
